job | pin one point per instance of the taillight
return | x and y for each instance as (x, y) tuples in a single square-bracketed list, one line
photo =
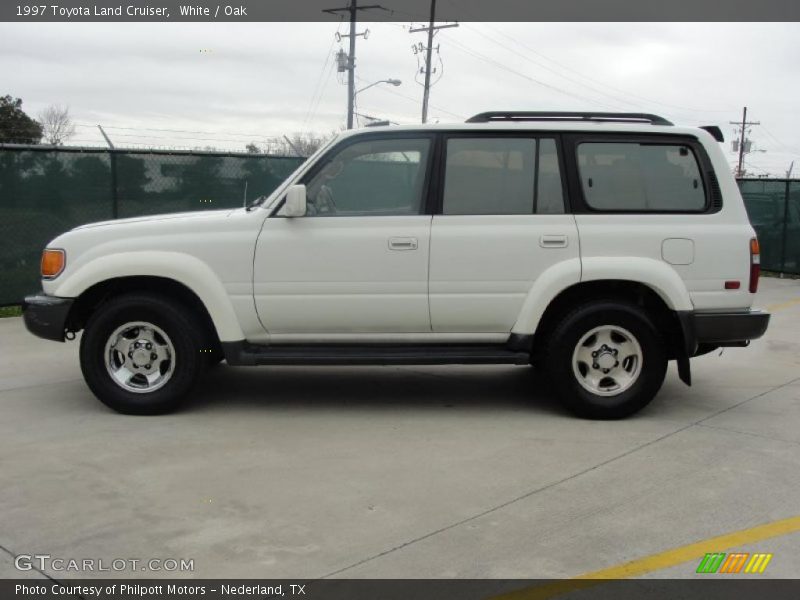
[(53, 261), (755, 265)]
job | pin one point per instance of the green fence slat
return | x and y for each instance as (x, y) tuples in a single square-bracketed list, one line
[(44, 192), (773, 206)]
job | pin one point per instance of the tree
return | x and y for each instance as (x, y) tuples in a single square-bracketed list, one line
[(301, 144), (15, 126), (57, 125), (132, 177), (252, 148)]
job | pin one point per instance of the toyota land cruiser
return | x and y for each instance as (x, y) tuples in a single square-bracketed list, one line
[(594, 246)]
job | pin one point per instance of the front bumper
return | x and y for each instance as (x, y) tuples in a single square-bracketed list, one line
[(46, 316), (722, 329)]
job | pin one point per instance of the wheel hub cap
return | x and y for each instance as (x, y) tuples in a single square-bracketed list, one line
[(140, 357), (607, 360)]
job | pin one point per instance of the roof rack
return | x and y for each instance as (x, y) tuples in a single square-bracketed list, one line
[(487, 117)]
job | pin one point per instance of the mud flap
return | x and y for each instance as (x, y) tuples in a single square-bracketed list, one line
[(684, 369)]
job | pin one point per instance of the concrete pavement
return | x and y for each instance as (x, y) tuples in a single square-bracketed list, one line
[(398, 471)]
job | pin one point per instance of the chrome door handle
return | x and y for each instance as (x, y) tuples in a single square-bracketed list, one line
[(554, 241), (403, 243)]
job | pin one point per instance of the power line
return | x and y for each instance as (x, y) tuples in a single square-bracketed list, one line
[(321, 93), (588, 78), (503, 67), (317, 87), (779, 142), (250, 135), (202, 139), (554, 71)]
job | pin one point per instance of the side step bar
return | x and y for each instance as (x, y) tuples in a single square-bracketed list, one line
[(247, 354)]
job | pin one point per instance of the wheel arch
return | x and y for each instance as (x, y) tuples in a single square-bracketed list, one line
[(91, 299), (630, 278), (176, 275), (664, 317)]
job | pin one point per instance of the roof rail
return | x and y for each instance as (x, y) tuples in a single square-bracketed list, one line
[(512, 115)]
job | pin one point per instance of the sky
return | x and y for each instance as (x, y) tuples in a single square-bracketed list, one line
[(224, 85)]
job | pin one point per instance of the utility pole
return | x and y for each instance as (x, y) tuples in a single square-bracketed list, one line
[(431, 30), (744, 124), (789, 172), (352, 9)]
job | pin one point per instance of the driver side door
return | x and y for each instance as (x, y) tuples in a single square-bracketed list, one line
[(356, 266)]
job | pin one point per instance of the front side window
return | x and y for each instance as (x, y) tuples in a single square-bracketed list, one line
[(626, 176), (373, 177), (502, 176)]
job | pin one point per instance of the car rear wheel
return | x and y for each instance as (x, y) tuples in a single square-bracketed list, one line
[(606, 360), (141, 354)]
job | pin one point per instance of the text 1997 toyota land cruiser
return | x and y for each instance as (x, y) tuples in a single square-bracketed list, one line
[(595, 246)]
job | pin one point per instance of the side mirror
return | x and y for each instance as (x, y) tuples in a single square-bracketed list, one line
[(295, 204)]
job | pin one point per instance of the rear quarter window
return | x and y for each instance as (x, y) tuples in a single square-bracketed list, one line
[(640, 177)]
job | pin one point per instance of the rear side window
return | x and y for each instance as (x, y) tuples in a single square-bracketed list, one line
[(626, 176), (502, 176)]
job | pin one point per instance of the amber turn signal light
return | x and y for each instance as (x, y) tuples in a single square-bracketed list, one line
[(53, 261)]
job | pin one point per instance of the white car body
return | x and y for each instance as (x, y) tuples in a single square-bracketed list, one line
[(266, 279), (214, 254)]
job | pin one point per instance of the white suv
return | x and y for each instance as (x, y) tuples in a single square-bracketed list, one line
[(595, 246)]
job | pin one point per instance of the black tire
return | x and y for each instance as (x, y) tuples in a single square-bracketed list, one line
[(184, 332), (564, 340)]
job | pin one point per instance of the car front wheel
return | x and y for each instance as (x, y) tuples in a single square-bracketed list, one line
[(141, 354)]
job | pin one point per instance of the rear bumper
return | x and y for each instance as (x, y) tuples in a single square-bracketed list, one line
[(713, 328), (722, 329), (46, 316)]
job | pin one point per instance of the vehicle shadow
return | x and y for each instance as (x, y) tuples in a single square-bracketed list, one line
[(487, 388)]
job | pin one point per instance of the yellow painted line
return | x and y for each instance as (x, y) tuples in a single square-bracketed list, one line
[(657, 562), (782, 305)]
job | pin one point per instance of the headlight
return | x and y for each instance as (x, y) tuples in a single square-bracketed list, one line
[(53, 262)]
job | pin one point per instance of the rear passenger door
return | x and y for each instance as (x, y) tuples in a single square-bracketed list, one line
[(501, 222)]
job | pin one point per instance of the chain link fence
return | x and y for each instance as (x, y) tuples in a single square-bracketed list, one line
[(774, 209), (46, 191)]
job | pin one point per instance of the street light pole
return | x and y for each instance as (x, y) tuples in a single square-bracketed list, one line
[(394, 82)]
